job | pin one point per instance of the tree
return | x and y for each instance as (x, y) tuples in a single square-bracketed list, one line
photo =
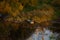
[(21, 10)]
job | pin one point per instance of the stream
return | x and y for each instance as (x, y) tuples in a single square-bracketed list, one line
[(46, 35)]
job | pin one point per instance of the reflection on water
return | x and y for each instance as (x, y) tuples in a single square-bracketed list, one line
[(46, 35)]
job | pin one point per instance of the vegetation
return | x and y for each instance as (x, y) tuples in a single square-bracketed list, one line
[(14, 12)]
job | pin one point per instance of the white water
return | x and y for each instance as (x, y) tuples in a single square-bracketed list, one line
[(46, 35)]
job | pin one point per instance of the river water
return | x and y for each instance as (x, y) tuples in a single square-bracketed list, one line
[(46, 35)]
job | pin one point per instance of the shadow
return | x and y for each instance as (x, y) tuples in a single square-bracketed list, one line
[(24, 31)]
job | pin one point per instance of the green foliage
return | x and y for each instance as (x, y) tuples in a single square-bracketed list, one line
[(28, 8), (57, 13)]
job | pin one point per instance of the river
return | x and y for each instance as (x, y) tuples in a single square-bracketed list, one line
[(46, 35)]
